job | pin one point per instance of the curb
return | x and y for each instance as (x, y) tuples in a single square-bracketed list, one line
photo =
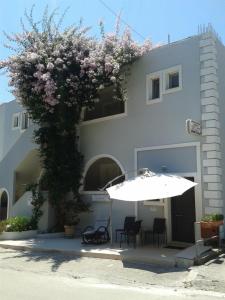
[(66, 252), (83, 253)]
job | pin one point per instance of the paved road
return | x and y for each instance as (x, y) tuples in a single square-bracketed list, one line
[(32, 276), (25, 286)]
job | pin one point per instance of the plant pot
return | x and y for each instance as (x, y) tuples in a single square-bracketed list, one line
[(69, 231), (211, 228)]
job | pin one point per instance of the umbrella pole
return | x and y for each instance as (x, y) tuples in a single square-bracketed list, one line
[(111, 231)]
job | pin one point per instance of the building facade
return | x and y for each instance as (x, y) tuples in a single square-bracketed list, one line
[(172, 84)]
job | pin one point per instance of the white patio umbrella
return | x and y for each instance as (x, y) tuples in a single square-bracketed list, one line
[(148, 186)]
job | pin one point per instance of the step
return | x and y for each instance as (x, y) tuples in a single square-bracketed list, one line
[(188, 256)]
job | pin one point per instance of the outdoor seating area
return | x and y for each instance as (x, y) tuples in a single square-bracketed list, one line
[(157, 234), (131, 232), (97, 234)]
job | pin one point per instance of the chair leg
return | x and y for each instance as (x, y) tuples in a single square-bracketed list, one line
[(121, 234)]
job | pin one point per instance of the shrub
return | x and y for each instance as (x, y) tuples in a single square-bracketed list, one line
[(17, 224), (2, 226)]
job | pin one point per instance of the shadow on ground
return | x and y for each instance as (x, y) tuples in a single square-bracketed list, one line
[(56, 259), (153, 268)]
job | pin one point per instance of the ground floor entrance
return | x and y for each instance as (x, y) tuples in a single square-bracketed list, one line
[(183, 216), (3, 205)]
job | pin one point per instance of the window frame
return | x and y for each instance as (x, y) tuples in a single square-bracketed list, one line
[(21, 120), (166, 73), (16, 115), (149, 80)]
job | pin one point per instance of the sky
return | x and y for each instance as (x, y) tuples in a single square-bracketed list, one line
[(153, 19)]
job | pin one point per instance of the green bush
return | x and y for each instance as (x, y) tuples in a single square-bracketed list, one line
[(16, 224), (2, 226), (212, 217)]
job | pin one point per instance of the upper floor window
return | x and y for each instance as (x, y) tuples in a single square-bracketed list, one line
[(16, 121), (172, 79), (24, 120), (153, 87), (104, 106), (20, 120)]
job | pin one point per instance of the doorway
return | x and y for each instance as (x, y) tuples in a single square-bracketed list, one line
[(3, 206), (183, 216)]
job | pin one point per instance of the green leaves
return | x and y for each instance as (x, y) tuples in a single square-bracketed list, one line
[(55, 73), (212, 217)]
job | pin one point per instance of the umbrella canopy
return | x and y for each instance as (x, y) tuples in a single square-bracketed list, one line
[(150, 186)]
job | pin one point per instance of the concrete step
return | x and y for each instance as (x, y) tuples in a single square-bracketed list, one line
[(207, 256), (189, 256)]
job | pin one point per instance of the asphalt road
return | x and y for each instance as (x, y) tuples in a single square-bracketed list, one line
[(32, 276), (23, 286)]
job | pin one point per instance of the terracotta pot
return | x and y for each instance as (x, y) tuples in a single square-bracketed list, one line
[(211, 228), (69, 231)]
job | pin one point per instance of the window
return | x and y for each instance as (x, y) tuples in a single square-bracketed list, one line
[(104, 106), (172, 80), (16, 121), (100, 173), (153, 88), (24, 120)]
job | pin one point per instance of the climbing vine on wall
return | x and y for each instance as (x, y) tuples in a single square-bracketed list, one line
[(54, 73)]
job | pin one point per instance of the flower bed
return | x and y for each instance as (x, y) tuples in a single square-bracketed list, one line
[(17, 228)]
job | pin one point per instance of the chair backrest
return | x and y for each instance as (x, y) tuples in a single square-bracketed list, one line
[(128, 222), (137, 226), (102, 222), (159, 225)]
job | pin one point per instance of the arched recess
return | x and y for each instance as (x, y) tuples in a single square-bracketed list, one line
[(4, 204), (100, 170)]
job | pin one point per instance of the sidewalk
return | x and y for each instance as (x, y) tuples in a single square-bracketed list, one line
[(147, 254)]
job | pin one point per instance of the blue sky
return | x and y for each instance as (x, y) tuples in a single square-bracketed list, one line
[(151, 18)]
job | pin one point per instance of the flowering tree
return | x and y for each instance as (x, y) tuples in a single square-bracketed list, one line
[(54, 74)]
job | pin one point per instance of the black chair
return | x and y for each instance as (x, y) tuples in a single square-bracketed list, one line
[(127, 223), (159, 230), (131, 232), (97, 234)]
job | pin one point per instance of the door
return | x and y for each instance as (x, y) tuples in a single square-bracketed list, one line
[(183, 216), (3, 206)]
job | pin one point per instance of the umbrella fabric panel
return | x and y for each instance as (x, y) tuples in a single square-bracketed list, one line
[(155, 186)]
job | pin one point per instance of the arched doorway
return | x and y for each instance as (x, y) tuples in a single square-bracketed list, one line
[(100, 172), (3, 205)]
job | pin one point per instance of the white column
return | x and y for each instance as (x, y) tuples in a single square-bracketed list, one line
[(211, 147)]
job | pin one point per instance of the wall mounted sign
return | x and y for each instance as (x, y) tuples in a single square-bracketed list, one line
[(193, 127)]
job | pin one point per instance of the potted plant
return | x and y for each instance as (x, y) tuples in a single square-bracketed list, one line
[(71, 218), (71, 221), (210, 225)]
